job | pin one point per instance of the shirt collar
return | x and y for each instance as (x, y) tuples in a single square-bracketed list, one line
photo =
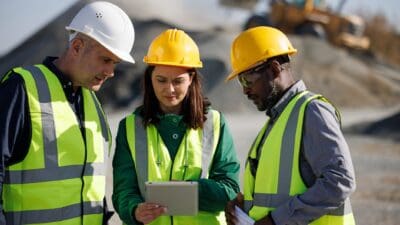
[(296, 88)]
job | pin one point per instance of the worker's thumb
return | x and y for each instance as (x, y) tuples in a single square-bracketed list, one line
[(240, 199)]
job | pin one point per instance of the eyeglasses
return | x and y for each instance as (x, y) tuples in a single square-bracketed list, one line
[(249, 77)]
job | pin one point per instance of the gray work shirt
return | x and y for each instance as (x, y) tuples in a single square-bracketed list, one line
[(325, 162)]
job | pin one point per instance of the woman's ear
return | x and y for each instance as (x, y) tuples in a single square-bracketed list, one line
[(191, 75)]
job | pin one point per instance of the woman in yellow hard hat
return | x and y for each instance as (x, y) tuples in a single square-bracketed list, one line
[(174, 135)]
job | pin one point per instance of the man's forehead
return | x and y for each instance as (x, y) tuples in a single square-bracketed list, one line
[(106, 53)]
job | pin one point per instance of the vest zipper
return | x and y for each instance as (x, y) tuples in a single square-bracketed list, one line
[(185, 164)]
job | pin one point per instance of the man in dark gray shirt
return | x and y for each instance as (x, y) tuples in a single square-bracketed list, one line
[(299, 169)]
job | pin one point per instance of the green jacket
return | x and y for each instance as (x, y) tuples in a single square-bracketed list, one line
[(214, 193)]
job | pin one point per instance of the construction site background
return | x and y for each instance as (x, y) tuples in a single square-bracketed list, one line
[(385, 40)]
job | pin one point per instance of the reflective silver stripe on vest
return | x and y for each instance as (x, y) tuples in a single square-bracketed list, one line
[(270, 200), (247, 205), (276, 200), (53, 215), (103, 122), (287, 149), (141, 154), (207, 144), (49, 131), (58, 173), (105, 134), (93, 169)]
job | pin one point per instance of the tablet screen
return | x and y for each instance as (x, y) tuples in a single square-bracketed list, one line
[(180, 197)]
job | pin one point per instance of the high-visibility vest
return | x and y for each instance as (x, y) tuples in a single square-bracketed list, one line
[(62, 178), (192, 161), (278, 177)]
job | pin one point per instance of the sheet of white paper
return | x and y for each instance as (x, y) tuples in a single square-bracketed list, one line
[(242, 217)]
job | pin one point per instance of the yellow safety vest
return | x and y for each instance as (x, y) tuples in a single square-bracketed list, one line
[(278, 177), (62, 178), (192, 161)]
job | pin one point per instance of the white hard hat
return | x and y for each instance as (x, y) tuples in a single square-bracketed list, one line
[(107, 24)]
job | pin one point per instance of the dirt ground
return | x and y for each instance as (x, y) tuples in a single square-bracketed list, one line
[(377, 165), (376, 161)]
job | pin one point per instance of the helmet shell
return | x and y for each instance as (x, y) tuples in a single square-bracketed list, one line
[(173, 47), (255, 45), (108, 25)]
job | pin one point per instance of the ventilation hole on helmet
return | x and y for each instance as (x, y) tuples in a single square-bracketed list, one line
[(99, 15)]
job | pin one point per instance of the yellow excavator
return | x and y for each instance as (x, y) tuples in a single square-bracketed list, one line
[(313, 17)]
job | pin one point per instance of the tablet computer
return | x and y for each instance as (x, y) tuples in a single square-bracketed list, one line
[(180, 197)]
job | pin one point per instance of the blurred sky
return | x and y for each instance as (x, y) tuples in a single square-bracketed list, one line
[(19, 19)]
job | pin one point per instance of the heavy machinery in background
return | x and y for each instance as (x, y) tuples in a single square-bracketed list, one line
[(313, 17)]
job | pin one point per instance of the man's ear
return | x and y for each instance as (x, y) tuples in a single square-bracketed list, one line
[(276, 68), (76, 45)]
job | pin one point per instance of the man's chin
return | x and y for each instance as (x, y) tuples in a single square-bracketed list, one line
[(94, 87), (261, 108)]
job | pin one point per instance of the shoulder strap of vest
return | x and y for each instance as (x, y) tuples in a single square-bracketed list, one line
[(102, 116), (136, 136), (324, 99), (44, 97), (208, 141)]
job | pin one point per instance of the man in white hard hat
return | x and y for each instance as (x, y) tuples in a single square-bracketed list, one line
[(54, 136)]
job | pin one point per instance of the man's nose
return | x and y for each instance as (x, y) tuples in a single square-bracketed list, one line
[(109, 71)]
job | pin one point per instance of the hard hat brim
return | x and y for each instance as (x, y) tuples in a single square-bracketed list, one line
[(125, 57), (199, 65), (121, 55), (233, 74)]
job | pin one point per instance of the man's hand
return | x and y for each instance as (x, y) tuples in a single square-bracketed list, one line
[(147, 212), (230, 209), (265, 221)]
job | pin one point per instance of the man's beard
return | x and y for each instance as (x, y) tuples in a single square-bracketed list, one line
[(271, 100)]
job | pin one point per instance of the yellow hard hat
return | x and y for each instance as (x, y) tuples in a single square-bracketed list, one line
[(173, 47), (256, 45)]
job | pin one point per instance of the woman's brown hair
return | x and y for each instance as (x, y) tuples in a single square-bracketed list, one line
[(194, 105)]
